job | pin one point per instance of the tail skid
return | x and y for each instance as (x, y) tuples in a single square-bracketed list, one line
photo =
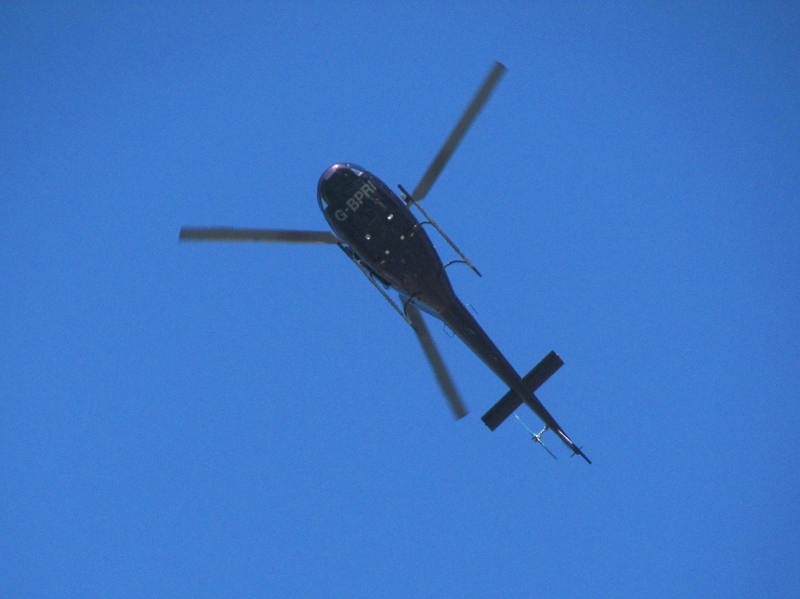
[(579, 451)]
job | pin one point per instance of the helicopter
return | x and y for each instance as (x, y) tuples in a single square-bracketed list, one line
[(377, 230)]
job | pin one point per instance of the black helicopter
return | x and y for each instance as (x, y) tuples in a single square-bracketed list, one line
[(377, 230)]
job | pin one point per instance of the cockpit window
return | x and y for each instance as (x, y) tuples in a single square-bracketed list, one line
[(356, 169), (342, 181), (338, 184)]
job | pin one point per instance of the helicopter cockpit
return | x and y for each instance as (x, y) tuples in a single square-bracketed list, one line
[(338, 181)]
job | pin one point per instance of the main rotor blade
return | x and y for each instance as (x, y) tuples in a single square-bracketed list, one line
[(451, 143), (233, 234), (439, 369)]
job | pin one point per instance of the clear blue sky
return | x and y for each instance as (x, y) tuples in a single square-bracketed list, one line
[(254, 421)]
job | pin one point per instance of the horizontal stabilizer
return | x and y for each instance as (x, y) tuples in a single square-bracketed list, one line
[(533, 380)]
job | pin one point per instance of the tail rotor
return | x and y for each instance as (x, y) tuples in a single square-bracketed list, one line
[(536, 436)]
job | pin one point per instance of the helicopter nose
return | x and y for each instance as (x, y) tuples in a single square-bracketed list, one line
[(339, 179), (330, 171), (327, 184), (344, 169), (327, 176)]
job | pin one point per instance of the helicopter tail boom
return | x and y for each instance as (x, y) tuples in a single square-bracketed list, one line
[(511, 401)]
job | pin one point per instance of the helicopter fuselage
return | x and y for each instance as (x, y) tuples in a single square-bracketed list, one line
[(379, 231), (383, 234)]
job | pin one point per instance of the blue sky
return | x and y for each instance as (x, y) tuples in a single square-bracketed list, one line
[(254, 421)]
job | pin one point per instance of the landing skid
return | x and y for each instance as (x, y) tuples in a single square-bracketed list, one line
[(410, 201), (377, 282)]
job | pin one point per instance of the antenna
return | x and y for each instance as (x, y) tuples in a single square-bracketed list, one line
[(536, 436)]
